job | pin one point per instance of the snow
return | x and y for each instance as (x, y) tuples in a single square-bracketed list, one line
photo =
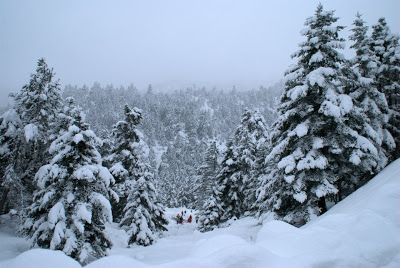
[(298, 91), (85, 173), (78, 138), (83, 213), (317, 57), (207, 108), (312, 161), (56, 213), (301, 130), (346, 104), (361, 231), (10, 122), (289, 179), (318, 143), (158, 153), (318, 76), (301, 197), (230, 162), (31, 132), (41, 258)]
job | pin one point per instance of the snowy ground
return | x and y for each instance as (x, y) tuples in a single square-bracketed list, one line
[(361, 231)]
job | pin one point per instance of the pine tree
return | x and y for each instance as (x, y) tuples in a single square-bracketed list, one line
[(311, 144), (386, 47), (141, 212), (71, 206)]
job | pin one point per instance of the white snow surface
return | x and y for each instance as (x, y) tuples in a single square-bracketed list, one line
[(361, 231), (31, 132)]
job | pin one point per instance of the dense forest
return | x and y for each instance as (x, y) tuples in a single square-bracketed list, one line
[(74, 159), (178, 126)]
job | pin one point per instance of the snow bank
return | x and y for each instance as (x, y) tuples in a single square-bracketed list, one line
[(363, 230), (116, 261), (218, 243), (41, 258)]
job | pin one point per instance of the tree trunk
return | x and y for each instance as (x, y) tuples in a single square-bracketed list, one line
[(3, 200), (322, 205)]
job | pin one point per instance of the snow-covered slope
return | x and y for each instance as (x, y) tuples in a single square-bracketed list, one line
[(362, 231)]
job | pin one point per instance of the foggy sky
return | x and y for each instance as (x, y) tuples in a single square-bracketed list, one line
[(211, 42)]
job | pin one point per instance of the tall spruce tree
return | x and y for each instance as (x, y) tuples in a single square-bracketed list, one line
[(311, 143), (141, 212), (386, 47), (71, 206)]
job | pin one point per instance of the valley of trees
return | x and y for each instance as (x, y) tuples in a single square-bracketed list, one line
[(75, 159)]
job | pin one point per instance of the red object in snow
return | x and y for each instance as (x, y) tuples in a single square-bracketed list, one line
[(190, 219)]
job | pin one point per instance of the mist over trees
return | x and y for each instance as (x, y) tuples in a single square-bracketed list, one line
[(75, 160)]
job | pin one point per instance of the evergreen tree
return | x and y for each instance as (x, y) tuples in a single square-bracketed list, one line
[(237, 185), (141, 212), (124, 157), (71, 206), (36, 103), (368, 114), (386, 47), (311, 143), (233, 196), (10, 125), (206, 174), (210, 215)]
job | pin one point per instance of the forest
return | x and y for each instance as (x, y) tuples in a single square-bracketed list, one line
[(73, 159)]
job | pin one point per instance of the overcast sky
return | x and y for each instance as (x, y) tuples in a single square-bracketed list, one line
[(247, 43)]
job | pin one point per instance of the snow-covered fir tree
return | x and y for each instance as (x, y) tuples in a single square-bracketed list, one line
[(71, 206), (70, 114), (124, 157), (142, 214), (367, 117), (206, 174), (386, 47), (311, 143), (235, 182), (212, 211), (37, 104), (10, 125)]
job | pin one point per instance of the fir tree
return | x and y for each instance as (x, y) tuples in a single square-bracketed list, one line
[(141, 212), (10, 125), (124, 157), (206, 174), (386, 47), (367, 117), (210, 215), (235, 181), (311, 144), (36, 103), (71, 206)]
